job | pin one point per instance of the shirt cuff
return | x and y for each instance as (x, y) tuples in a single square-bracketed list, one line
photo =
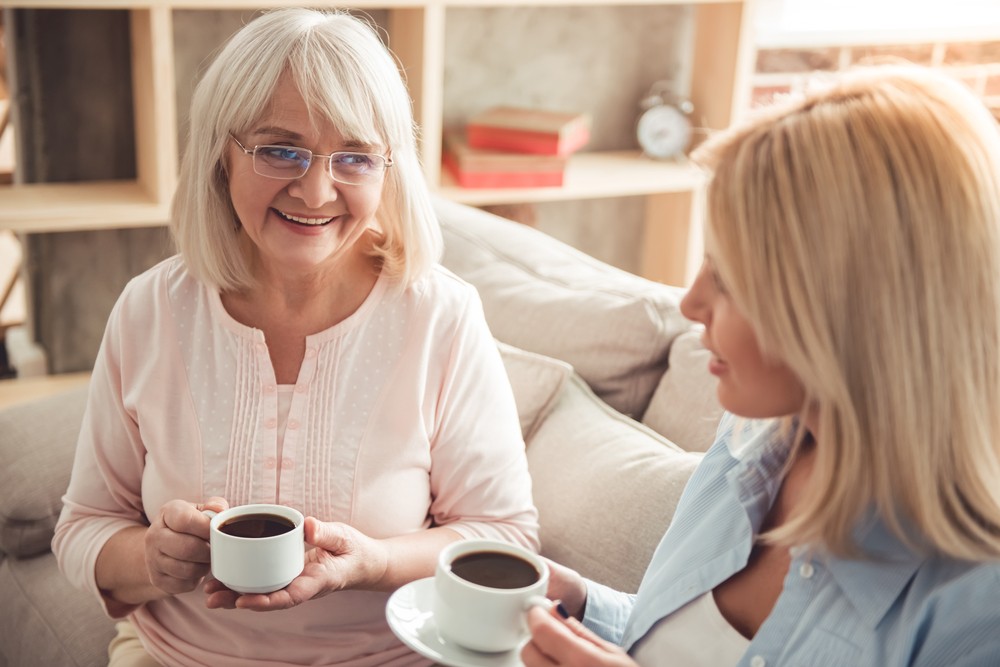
[(607, 611)]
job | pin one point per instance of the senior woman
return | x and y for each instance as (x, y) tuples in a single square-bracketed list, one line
[(303, 348)]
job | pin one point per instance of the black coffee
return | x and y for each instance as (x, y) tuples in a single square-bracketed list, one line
[(494, 569), (257, 525)]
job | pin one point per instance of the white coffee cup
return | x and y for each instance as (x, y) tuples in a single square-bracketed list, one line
[(248, 563), (490, 615)]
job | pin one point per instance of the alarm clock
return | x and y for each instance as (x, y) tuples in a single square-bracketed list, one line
[(664, 127)]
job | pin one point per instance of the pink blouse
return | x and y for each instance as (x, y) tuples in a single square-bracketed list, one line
[(401, 418)]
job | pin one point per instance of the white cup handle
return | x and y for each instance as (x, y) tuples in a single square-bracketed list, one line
[(209, 513), (538, 601)]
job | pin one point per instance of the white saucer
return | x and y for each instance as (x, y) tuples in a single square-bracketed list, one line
[(411, 617)]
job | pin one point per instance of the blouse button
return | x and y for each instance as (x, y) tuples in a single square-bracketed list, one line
[(310, 352), (807, 570), (301, 388), (293, 424), (270, 463), (758, 661), (287, 463), (269, 388), (271, 423)]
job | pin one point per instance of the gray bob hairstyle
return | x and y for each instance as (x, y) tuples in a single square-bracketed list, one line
[(349, 79)]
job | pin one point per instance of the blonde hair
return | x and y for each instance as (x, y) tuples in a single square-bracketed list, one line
[(859, 231), (348, 79)]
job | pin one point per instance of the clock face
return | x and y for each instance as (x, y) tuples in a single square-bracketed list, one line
[(663, 132)]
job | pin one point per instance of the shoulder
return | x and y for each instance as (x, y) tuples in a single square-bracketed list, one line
[(441, 291), (152, 290), (957, 619), (160, 276)]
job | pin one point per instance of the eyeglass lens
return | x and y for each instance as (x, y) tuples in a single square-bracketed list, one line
[(292, 162)]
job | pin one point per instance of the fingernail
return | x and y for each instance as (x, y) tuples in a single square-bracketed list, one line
[(561, 610)]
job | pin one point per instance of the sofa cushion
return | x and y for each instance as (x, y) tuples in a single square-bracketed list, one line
[(536, 381), (684, 406), (605, 486), (37, 445), (45, 621), (541, 295)]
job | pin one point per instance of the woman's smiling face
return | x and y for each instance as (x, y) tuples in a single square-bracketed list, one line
[(750, 385), (306, 223)]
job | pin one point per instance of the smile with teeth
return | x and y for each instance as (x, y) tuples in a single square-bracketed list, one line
[(310, 222)]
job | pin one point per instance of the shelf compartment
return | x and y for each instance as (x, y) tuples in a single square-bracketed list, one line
[(106, 204), (47, 207), (593, 175)]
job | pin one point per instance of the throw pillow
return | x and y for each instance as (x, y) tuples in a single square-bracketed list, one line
[(684, 406), (536, 381), (605, 486), (37, 446)]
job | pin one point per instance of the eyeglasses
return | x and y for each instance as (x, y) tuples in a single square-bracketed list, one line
[(291, 162)]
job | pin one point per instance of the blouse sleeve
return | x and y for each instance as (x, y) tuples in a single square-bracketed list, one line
[(104, 494), (479, 472)]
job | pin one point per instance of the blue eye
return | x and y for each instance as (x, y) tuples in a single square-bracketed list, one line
[(279, 157), (356, 162), (281, 152)]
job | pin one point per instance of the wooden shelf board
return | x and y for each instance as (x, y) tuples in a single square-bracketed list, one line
[(48, 207), (590, 176), (20, 390), (205, 4), (353, 4), (574, 3)]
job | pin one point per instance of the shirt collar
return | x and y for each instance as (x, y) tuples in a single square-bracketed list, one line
[(874, 580)]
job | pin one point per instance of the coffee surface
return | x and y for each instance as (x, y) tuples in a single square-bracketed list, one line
[(257, 525), (495, 569)]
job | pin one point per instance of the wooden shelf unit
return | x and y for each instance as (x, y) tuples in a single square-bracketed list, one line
[(719, 72)]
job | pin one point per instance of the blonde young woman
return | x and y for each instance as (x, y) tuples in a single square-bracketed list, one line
[(303, 348), (851, 301)]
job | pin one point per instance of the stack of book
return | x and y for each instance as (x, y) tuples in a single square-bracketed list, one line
[(510, 147)]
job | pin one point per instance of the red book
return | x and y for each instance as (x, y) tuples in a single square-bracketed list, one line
[(535, 131), (473, 168)]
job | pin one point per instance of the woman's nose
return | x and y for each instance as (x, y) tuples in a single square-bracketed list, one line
[(316, 187), (693, 303)]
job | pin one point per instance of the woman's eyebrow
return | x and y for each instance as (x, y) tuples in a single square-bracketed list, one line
[(273, 130), (284, 133)]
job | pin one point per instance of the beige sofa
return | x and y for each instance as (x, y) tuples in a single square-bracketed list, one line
[(613, 397)]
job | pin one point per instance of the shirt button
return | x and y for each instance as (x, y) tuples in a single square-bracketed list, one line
[(269, 388), (806, 570), (301, 388), (271, 423), (270, 463), (758, 661), (287, 463), (293, 424), (310, 352)]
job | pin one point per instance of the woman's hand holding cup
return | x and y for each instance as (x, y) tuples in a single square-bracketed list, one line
[(176, 545), (341, 558)]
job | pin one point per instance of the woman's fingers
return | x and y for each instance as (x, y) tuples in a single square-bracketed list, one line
[(557, 641)]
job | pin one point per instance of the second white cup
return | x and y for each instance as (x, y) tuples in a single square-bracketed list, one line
[(257, 548), (482, 592)]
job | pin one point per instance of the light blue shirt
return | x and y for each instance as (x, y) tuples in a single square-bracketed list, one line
[(896, 608)]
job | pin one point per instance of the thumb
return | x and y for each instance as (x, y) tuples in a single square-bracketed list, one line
[(213, 504), (325, 535)]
